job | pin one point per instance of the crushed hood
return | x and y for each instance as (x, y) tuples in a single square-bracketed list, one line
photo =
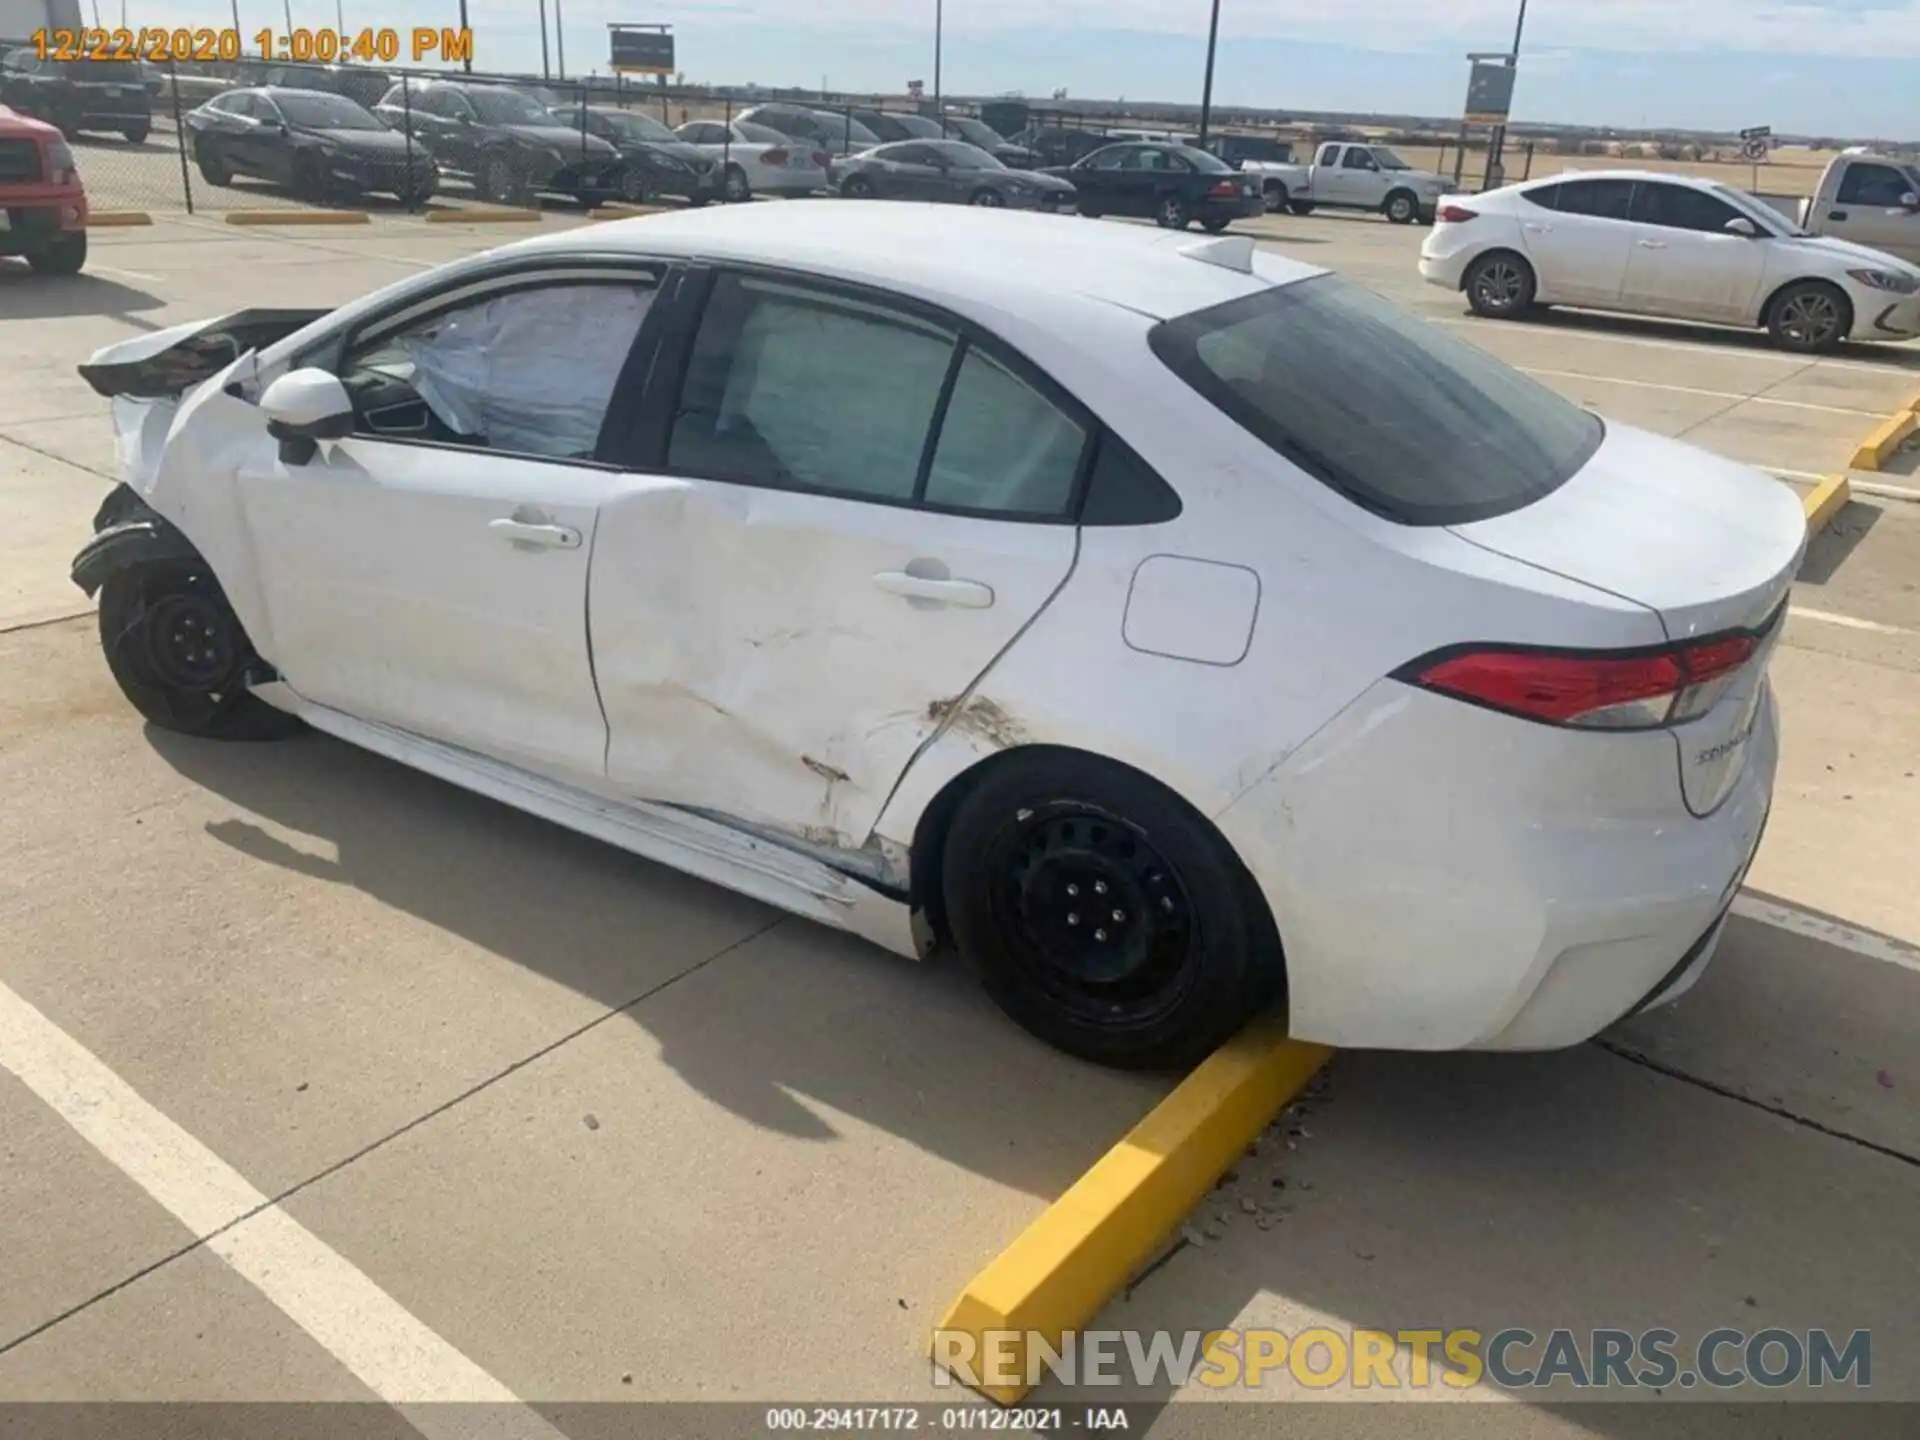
[(174, 360)]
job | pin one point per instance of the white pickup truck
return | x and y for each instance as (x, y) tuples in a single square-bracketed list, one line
[(1344, 175), (1871, 200)]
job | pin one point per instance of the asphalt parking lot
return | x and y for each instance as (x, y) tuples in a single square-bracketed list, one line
[(461, 1106)]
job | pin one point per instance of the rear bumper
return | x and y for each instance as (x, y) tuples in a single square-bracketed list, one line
[(1447, 878), (30, 225), (1445, 270)]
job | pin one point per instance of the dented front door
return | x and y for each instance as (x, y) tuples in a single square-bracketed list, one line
[(778, 657)]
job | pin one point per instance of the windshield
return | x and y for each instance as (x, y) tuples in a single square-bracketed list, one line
[(508, 107), (844, 131), (759, 134), (963, 156), (324, 112), (630, 126), (1205, 161), (917, 126), (1395, 413), (1388, 160), (977, 131)]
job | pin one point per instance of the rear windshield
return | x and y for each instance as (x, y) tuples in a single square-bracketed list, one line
[(1394, 413)]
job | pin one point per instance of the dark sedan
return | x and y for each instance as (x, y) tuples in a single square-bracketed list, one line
[(502, 142), (658, 162), (320, 145), (949, 171), (1173, 185)]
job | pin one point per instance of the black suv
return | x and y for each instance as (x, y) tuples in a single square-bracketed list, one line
[(78, 95), (502, 142)]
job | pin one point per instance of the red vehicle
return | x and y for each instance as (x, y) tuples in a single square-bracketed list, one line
[(43, 206)]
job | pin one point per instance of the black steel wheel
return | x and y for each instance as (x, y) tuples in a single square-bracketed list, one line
[(1104, 914), (857, 187), (1499, 285), (1810, 317), (633, 185), (988, 197), (181, 656)]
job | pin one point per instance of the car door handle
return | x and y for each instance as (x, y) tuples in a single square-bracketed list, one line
[(546, 537), (1653, 244), (970, 594), (1537, 229), (1836, 214)]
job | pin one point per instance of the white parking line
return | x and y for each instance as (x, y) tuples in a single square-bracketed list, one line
[(1827, 618), (1831, 932), (1694, 390), (1731, 351), (360, 1325), (124, 274)]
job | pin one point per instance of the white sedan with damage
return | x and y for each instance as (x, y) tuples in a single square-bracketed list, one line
[(1174, 629)]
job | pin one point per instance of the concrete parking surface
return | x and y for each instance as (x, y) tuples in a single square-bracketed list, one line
[(470, 1107)]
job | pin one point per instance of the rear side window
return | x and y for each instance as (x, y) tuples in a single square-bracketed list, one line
[(1394, 413), (1602, 199)]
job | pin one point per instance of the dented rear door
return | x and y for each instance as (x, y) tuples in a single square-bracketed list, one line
[(857, 509)]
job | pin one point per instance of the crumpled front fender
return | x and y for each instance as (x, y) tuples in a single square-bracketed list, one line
[(145, 540)]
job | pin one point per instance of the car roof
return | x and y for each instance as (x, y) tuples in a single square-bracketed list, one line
[(970, 259), (1665, 177)]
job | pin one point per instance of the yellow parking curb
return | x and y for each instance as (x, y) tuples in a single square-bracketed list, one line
[(625, 212), (1058, 1273), (1824, 501), (476, 216), (1889, 437), (103, 219), (297, 217)]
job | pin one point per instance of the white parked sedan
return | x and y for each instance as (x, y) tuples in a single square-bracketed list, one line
[(1666, 245), (759, 161), (1173, 627)]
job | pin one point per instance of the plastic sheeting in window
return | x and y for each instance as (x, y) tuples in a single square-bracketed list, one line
[(529, 371)]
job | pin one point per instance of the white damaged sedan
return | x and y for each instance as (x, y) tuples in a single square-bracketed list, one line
[(1174, 629)]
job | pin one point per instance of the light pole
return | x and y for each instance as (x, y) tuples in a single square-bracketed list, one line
[(465, 30), (938, 19), (545, 72), (1497, 142), (559, 43), (1206, 86)]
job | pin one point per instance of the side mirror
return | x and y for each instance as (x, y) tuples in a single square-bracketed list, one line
[(1910, 200), (1740, 225), (304, 407)]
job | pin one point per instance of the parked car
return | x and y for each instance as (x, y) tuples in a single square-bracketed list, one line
[(1869, 199), (757, 161), (1171, 184), (658, 162), (827, 130), (978, 132), (43, 204), (894, 125), (78, 96), (951, 171), (1202, 628), (1667, 245), (363, 84), (1268, 160), (502, 142), (1349, 176), (318, 144)]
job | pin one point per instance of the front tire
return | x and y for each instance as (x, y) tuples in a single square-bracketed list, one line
[(1173, 214), (1215, 227), (502, 181), (987, 199), (737, 186), (64, 255), (1104, 914), (179, 654), (1402, 207), (633, 186), (1500, 285), (857, 187), (1809, 317)]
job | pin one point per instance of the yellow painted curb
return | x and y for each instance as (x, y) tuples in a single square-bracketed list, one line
[(1058, 1273), (476, 216), (1889, 437), (1824, 501), (297, 217), (625, 212), (103, 219)]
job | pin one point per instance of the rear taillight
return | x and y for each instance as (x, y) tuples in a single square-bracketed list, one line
[(1594, 690), (1455, 214), (775, 156), (822, 159), (61, 168), (1227, 189)]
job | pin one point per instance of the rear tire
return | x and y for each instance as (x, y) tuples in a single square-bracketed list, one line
[(1173, 214), (1500, 285), (1276, 197), (213, 165), (1300, 207), (65, 255), (178, 652), (737, 187), (1181, 951), (137, 134), (1809, 317)]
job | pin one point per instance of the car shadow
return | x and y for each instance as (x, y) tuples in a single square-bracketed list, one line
[(25, 295), (1905, 356), (1829, 550)]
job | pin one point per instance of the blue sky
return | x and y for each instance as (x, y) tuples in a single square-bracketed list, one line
[(1827, 66)]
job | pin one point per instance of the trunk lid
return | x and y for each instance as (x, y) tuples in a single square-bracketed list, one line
[(1708, 545)]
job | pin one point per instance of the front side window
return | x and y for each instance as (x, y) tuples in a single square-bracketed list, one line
[(1113, 158), (1394, 413), (1358, 159), (1873, 185), (793, 388), (1679, 207), (527, 371)]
